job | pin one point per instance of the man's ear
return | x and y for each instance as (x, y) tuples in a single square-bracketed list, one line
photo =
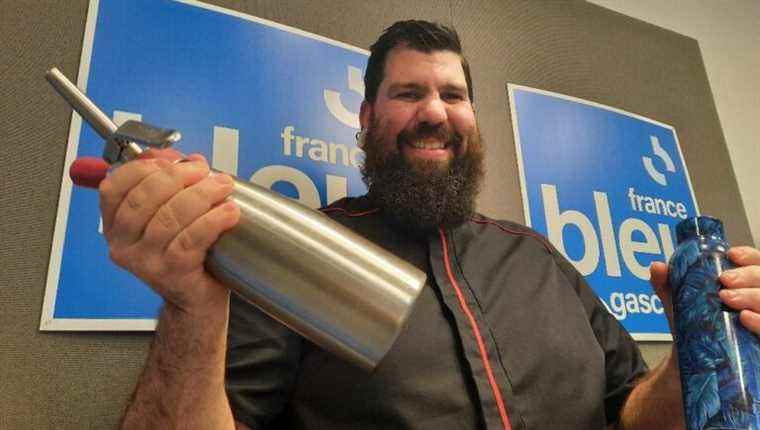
[(365, 113)]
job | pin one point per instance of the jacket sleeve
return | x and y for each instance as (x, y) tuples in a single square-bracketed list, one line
[(262, 362), (624, 365)]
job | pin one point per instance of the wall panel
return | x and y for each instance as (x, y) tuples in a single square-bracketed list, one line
[(82, 380)]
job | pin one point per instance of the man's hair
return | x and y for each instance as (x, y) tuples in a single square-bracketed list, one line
[(418, 35)]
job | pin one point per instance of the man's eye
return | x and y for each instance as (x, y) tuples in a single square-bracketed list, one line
[(409, 95), (455, 97)]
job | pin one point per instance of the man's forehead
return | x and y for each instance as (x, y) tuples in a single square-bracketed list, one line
[(402, 60)]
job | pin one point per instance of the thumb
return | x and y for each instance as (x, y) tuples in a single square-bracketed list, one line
[(658, 272)]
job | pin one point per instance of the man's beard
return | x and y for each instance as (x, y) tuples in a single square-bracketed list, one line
[(420, 195)]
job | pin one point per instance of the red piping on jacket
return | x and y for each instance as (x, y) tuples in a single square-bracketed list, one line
[(476, 331), (515, 232), (350, 214)]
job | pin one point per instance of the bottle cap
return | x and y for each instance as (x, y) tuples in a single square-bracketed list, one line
[(699, 226)]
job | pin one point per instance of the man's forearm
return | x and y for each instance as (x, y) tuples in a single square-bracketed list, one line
[(656, 401), (182, 385)]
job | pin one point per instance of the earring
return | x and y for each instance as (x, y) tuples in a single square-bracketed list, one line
[(361, 137)]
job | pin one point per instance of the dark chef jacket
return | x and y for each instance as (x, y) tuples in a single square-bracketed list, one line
[(506, 331)]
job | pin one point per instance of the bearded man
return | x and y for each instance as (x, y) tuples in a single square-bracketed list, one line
[(506, 334)]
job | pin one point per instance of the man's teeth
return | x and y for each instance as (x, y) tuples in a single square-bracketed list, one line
[(427, 145)]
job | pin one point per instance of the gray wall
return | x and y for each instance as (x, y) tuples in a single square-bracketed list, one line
[(728, 35), (82, 380)]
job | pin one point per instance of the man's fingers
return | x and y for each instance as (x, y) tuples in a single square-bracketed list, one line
[(750, 320), (169, 154), (740, 299), (115, 187), (185, 207), (189, 247), (744, 255), (142, 202), (741, 277)]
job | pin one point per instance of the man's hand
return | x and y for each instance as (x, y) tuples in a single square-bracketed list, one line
[(660, 391), (742, 286), (741, 292), (160, 217), (658, 272)]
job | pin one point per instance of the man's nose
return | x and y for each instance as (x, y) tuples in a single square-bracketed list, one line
[(432, 111)]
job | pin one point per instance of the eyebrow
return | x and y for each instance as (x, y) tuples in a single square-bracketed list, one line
[(414, 86), (405, 86)]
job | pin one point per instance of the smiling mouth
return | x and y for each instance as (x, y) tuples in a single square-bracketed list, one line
[(427, 144)]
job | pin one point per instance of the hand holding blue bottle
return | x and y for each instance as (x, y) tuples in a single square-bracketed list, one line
[(712, 298), (742, 286)]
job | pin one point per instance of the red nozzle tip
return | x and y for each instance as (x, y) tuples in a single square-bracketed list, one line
[(88, 171)]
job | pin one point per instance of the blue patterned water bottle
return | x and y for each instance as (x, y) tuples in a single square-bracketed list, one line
[(718, 358)]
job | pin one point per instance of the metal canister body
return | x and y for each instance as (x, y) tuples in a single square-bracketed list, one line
[(314, 275)]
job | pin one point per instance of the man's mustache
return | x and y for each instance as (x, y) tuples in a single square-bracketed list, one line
[(425, 131)]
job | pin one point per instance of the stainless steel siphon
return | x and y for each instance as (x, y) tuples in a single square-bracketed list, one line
[(312, 274)]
